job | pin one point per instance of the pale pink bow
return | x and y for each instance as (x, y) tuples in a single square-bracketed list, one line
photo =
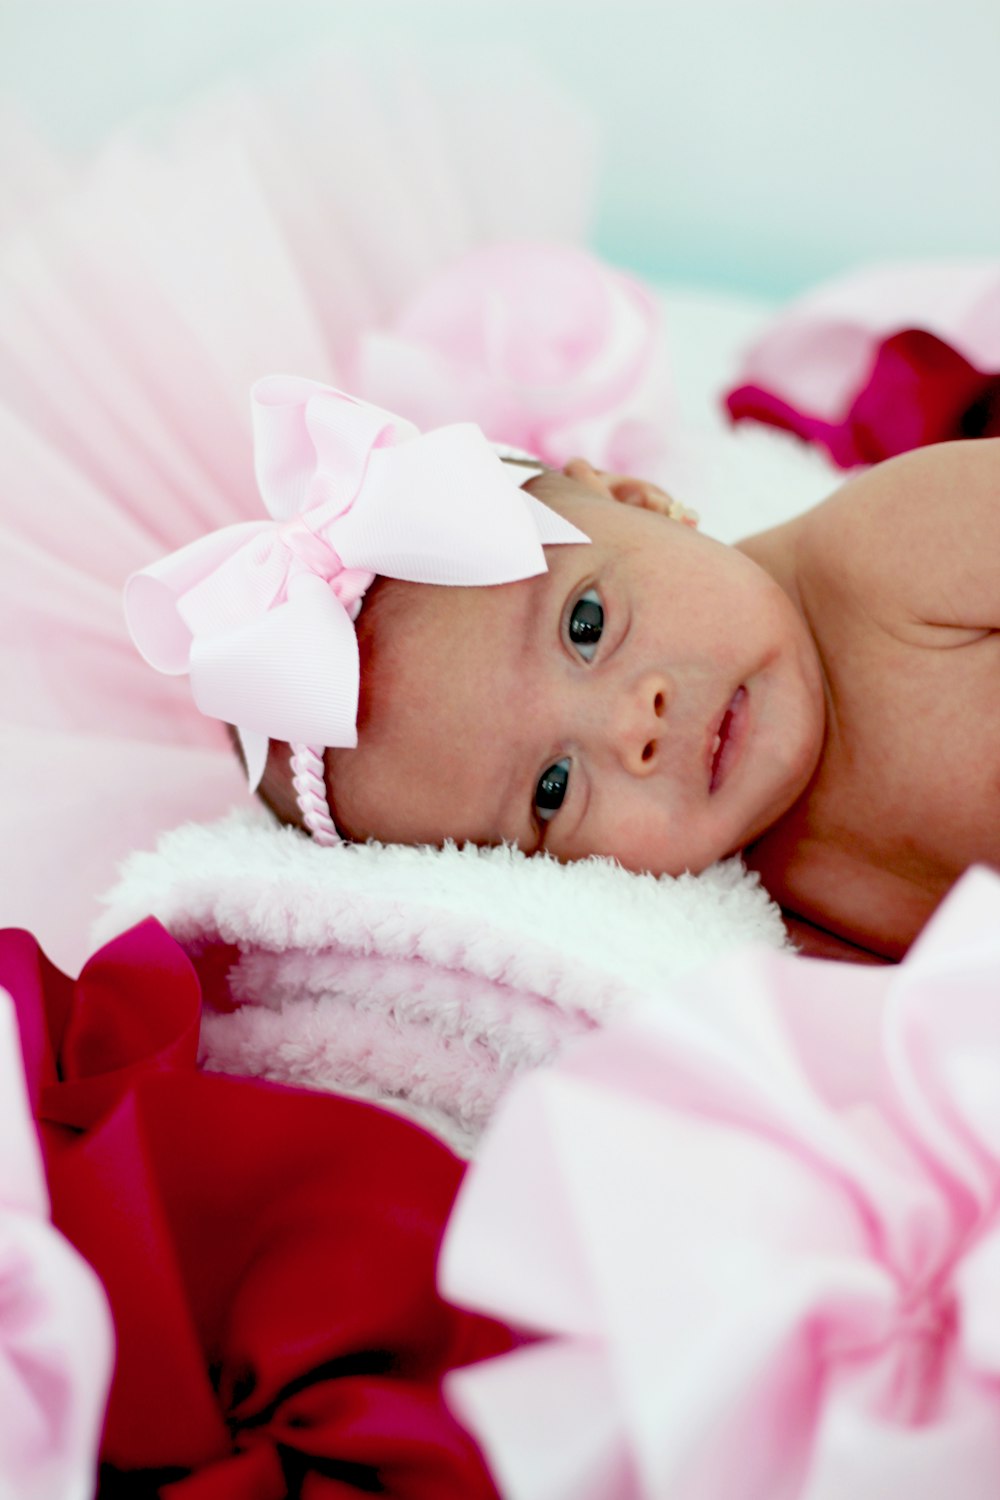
[(759, 1222), (260, 613)]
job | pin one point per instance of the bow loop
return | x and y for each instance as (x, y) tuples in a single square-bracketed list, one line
[(312, 444), (260, 613)]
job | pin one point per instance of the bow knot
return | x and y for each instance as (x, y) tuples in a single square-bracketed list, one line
[(314, 552), (260, 613)]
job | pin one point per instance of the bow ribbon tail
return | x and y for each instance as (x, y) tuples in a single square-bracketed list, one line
[(291, 674)]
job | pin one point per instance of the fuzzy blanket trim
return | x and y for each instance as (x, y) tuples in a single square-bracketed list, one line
[(424, 979)]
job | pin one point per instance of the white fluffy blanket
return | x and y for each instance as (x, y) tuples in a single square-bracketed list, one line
[(420, 978)]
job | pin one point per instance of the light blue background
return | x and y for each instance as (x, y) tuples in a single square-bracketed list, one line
[(755, 146)]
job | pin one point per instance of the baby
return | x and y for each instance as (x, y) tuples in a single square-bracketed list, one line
[(820, 697)]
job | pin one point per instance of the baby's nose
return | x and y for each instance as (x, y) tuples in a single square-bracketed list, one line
[(641, 723)]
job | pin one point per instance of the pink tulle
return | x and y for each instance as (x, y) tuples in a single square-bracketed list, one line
[(56, 1342), (760, 1227), (140, 298), (554, 351)]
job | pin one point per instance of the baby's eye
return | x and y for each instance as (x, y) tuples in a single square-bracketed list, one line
[(551, 790), (586, 622)]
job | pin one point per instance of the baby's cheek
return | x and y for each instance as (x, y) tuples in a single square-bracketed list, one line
[(657, 831), (629, 827)]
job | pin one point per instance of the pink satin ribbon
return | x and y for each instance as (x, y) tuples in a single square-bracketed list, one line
[(260, 613)]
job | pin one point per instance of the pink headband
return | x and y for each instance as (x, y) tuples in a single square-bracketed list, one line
[(260, 614)]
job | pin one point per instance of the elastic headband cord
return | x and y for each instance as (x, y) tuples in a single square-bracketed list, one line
[(309, 780)]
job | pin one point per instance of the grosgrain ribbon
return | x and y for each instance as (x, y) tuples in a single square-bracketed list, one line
[(260, 614)]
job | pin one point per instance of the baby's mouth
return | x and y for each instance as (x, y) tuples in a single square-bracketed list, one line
[(728, 737)]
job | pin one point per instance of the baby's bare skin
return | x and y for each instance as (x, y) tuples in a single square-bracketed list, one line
[(898, 578), (863, 639)]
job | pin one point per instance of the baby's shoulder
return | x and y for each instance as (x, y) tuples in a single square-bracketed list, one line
[(910, 545)]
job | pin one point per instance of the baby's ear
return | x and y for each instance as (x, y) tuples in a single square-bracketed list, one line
[(627, 490)]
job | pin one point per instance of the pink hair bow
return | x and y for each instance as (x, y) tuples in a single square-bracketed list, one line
[(260, 613)]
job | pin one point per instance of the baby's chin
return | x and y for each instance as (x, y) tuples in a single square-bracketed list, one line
[(799, 780), (799, 773)]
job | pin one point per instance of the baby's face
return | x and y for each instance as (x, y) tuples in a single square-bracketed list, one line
[(654, 696)]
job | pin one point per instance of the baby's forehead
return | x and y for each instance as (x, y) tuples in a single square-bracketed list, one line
[(422, 645), (442, 700), (463, 623)]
